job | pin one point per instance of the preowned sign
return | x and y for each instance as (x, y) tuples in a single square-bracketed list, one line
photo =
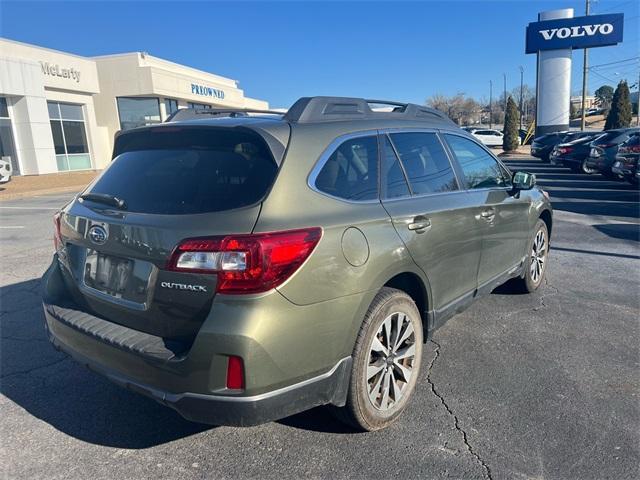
[(579, 32)]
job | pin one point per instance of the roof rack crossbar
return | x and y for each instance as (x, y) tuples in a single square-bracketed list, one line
[(327, 109), (191, 113)]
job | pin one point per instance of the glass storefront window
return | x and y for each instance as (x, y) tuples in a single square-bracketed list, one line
[(4, 110), (138, 111), (198, 106), (69, 136), (7, 146), (170, 106)]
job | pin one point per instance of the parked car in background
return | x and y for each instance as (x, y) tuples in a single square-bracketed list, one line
[(5, 170), (490, 138), (605, 148), (573, 154), (626, 163), (542, 146), (243, 269), (522, 133)]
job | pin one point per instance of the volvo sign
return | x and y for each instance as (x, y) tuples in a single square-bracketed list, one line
[(579, 32), (553, 37)]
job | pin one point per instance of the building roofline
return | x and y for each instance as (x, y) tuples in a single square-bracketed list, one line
[(52, 50), (146, 55)]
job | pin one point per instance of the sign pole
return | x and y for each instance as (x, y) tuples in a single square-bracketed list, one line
[(585, 73)]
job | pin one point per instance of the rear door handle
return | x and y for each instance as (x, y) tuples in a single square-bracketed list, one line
[(419, 224)]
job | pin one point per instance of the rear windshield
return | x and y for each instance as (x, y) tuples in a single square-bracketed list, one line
[(188, 170)]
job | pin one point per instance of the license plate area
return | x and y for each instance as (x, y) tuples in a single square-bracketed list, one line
[(107, 274), (117, 278)]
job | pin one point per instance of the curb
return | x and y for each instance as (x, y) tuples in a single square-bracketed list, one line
[(37, 193)]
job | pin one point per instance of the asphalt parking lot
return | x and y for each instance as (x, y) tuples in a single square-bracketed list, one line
[(532, 387)]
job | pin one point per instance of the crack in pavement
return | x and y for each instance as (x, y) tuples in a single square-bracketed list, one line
[(456, 421), (543, 295), (39, 367)]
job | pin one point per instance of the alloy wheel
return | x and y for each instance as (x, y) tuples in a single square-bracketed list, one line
[(391, 359), (538, 256), (586, 169)]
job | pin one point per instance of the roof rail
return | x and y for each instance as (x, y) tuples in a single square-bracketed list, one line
[(191, 113), (328, 109)]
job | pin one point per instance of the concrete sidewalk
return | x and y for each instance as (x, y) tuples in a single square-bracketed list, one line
[(32, 185), (523, 151)]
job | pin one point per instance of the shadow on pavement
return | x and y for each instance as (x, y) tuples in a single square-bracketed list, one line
[(317, 420), (621, 231), (53, 388)]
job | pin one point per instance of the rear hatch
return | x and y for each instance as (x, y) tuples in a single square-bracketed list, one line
[(165, 184)]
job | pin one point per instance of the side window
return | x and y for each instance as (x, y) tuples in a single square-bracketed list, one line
[(425, 162), (480, 169), (351, 172), (394, 183)]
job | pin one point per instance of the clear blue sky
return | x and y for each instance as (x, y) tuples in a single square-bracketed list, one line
[(280, 51)]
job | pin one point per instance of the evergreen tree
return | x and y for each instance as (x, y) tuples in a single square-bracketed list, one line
[(604, 94), (510, 141), (620, 113)]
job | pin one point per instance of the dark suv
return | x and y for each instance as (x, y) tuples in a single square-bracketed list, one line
[(240, 268)]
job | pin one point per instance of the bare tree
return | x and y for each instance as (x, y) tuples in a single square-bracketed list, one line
[(459, 108)]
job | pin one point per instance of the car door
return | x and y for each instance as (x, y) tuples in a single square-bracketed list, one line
[(501, 215), (432, 215), (483, 136)]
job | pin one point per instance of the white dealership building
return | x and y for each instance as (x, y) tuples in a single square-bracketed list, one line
[(60, 112)]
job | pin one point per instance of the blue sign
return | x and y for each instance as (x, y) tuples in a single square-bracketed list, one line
[(579, 32), (207, 91)]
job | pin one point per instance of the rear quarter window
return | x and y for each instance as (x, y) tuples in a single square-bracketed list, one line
[(351, 171), (189, 170)]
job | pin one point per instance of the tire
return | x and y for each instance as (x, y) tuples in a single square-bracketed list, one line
[(395, 309), (538, 254), (586, 169)]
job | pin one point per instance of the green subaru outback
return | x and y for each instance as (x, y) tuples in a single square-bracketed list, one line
[(242, 268)]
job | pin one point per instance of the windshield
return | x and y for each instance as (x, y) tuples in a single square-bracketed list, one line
[(188, 170)]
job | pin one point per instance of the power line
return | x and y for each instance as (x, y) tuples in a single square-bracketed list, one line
[(614, 63)]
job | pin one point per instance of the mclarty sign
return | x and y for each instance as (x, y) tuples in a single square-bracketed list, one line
[(579, 32), (56, 70)]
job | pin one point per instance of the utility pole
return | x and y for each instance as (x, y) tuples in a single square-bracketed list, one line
[(490, 103), (585, 72), (521, 92), (504, 75), (638, 102)]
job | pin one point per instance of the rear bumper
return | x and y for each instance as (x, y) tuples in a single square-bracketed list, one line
[(279, 382), (323, 389), (602, 163)]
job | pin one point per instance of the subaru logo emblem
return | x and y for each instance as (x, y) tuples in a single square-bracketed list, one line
[(98, 235)]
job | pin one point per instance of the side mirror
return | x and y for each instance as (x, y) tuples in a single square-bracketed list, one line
[(523, 181)]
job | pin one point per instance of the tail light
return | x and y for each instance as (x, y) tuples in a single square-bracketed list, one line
[(235, 373), (251, 263), (564, 150), (629, 149), (57, 236)]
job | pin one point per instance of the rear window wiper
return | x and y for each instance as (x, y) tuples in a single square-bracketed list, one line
[(106, 199)]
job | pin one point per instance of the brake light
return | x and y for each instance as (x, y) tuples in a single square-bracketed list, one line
[(629, 149), (250, 263), (57, 236), (235, 373)]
